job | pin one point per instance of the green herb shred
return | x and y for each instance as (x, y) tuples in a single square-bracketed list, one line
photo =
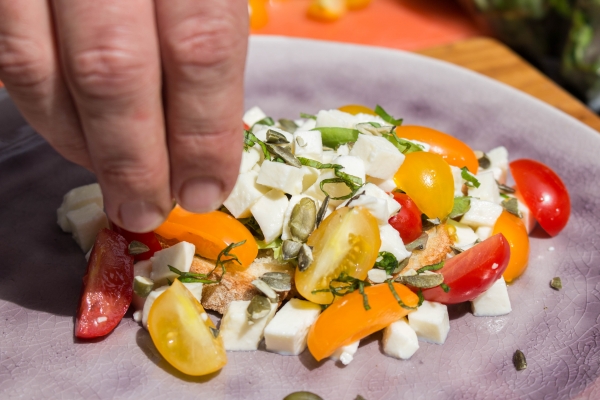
[(471, 180), (352, 182), (387, 117), (433, 267)]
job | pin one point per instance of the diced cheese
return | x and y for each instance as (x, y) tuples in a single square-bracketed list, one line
[(528, 218), (285, 235), (253, 115), (179, 256), (335, 119), (85, 223), (482, 213), (238, 332), (493, 302), (352, 166), (499, 163), (195, 289), (377, 275), (400, 340), (250, 158), (377, 207), (343, 150), (392, 205), (328, 156), (310, 177), (345, 354), (382, 159), (307, 125), (387, 185), (261, 134), (488, 188), (484, 232), (392, 242), (430, 322), (245, 193), (269, 211), (281, 176), (464, 234), (287, 332), (458, 181), (148, 304), (308, 144), (141, 268), (78, 198)]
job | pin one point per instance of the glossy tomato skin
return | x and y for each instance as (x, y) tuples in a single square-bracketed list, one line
[(472, 272), (513, 229), (356, 109), (544, 194), (107, 286), (408, 220), (148, 238)]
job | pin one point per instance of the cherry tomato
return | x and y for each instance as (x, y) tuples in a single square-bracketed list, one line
[(356, 109), (357, 4), (346, 320), (148, 238), (107, 286), (472, 272), (513, 229), (346, 241), (326, 10), (258, 13), (210, 233), (181, 331), (427, 179), (544, 194), (408, 220), (454, 151)]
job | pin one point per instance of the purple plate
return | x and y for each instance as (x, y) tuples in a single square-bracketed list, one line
[(559, 331)]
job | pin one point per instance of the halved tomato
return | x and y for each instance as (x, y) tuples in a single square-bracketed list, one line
[(356, 109), (408, 220), (513, 229)]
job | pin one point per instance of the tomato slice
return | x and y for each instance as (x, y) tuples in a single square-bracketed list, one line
[(515, 232), (544, 194), (347, 241), (454, 151), (472, 272), (148, 238), (210, 233), (107, 286), (408, 220), (183, 333), (346, 320), (356, 109)]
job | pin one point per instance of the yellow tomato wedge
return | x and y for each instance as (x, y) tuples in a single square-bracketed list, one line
[(346, 320), (356, 109), (347, 241), (210, 233), (181, 331), (357, 4), (427, 180), (327, 10), (513, 229)]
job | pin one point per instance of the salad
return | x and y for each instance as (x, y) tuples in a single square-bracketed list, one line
[(341, 224)]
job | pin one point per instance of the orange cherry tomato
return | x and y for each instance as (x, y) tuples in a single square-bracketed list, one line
[(513, 229), (356, 109), (427, 179), (454, 151), (346, 320), (258, 13), (327, 10), (357, 4), (210, 233)]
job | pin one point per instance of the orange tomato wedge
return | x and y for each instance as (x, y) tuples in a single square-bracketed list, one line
[(258, 13), (454, 151), (346, 320), (513, 229), (356, 109), (327, 10), (357, 4), (210, 233)]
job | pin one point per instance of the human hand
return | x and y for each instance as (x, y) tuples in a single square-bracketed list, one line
[(145, 93)]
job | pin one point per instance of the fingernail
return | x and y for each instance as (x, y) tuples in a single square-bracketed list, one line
[(201, 195), (140, 216)]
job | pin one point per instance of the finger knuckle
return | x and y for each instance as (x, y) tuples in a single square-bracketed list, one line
[(128, 172), (23, 62)]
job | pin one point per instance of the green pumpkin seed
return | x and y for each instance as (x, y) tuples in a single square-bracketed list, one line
[(303, 219), (422, 281), (302, 396), (305, 257), (290, 249), (278, 281), (142, 286), (519, 360), (266, 289), (258, 308), (136, 248), (285, 154), (274, 137)]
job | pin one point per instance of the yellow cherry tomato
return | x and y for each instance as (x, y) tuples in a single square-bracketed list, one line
[(356, 109), (347, 241), (327, 10), (357, 4), (181, 331), (258, 13), (427, 180), (347, 320), (513, 229), (210, 233)]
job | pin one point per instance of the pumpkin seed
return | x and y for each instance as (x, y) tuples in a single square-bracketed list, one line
[(303, 219), (266, 289), (136, 248), (288, 125), (290, 249), (302, 396), (484, 161), (505, 189), (274, 137), (512, 206), (258, 308), (215, 332), (519, 360), (142, 286), (322, 211), (556, 283), (422, 281), (278, 281), (305, 257), (285, 154), (419, 243), (300, 142)]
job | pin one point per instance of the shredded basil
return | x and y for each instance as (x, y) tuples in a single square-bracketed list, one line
[(387, 262), (268, 121), (387, 117), (398, 299), (433, 267), (471, 180), (346, 284), (353, 183), (250, 140), (445, 287), (307, 116), (421, 298), (404, 146), (335, 137)]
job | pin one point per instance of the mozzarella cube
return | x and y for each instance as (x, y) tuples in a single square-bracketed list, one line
[(179, 256), (392, 205), (352, 166), (499, 163), (269, 211), (528, 218), (335, 119), (392, 242), (377, 207), (377, 275), (250, 158), (261, 134), (195, 289), (307, 125), (400, 340), (281, 176), (464, 235), (286, 333), (382, 159), (430, 322), (141, 268), (285, 235), (253, 115), (458, 181), (484, 232), (245, 193), (85, 223), (78, 198), (387, 185), (328, 156), (488, 188), (345, 354), (493, 302), (343, 150), (308, 144), (482, 213), (310, 177), (148, 304), (238, 332)]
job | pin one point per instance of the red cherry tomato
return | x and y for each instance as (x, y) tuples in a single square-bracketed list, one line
[(472, 272), (544, 193), (408, 220), (107, 286), (148, 238)]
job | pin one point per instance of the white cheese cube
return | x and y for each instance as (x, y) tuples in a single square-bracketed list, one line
[(345, 354), (85, 223), (387, 185), (238, 332), (482, 213), (400, 340), (141, 268), (328, 156), (458, 181), (253, 115), (352, 166), (377, 207), (308, 144), (488, 188), (179, 256), (195, 289), (245, 193), (528, 218), (148, 304), (78, 198), (464, 235), (361, 118), (250, 158), (281, 176), (269, 211), (382, 159), (392, 205), (261, 134), (307, 125), (493, 302), (430, 322), (392, 242), (343, 150), (286, 333), (335, 119), (285, 234), (377, 275), (499, 163), (310, 177), (484, 232)]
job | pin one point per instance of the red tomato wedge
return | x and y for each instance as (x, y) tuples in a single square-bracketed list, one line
[(472, 272), (408, 220), (107, 286), (148, 238), (544, 193)]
